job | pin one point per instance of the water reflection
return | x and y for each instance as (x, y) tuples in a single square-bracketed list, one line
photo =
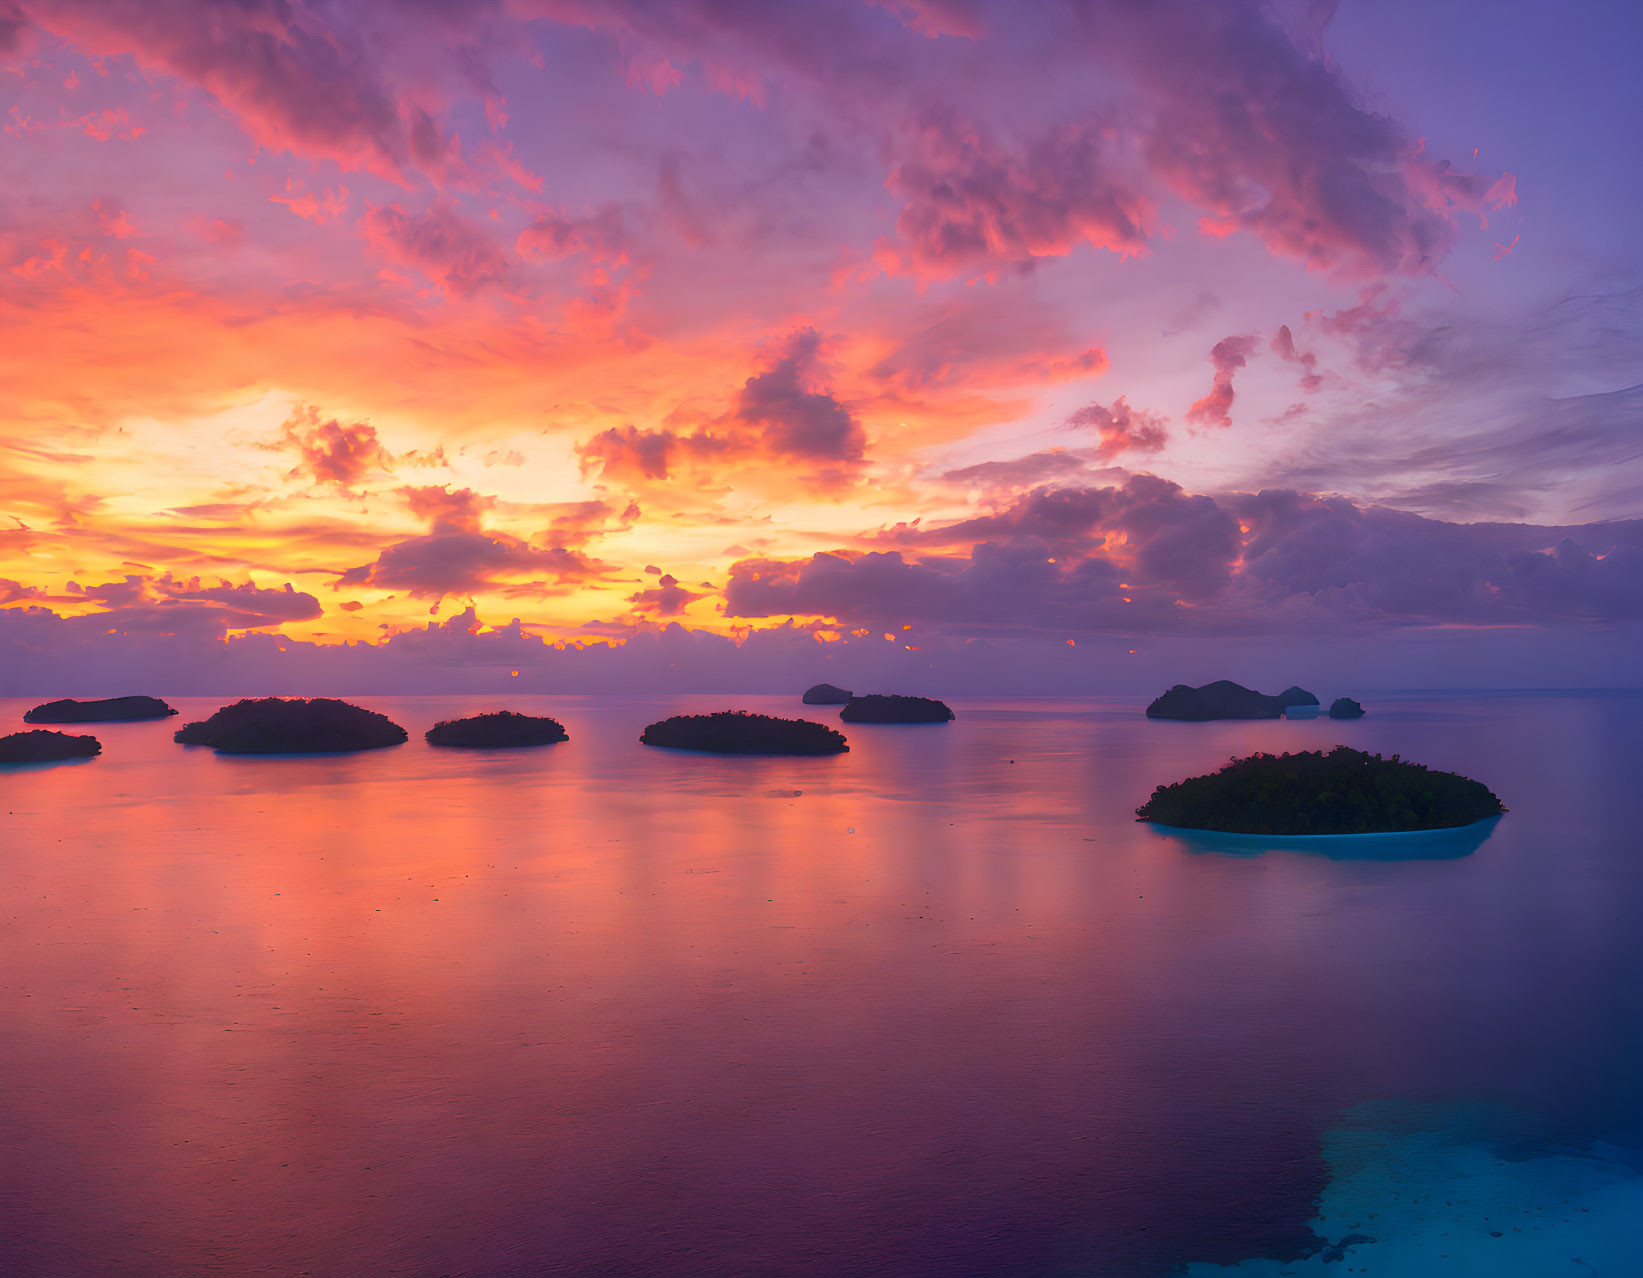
[(936, 1005), (1409, 845)]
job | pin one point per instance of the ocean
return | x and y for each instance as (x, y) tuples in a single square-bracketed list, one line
[(939, 1005)]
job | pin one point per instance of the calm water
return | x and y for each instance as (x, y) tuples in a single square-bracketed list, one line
[(936, 1006)]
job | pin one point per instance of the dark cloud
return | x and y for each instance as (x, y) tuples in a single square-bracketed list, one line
[(1229, 355)]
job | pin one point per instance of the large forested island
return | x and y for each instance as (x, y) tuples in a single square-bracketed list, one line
[(107, 710), (877, 708), (500, 729), (738, 732), (296, 725), (1342, 791), (44, 746)]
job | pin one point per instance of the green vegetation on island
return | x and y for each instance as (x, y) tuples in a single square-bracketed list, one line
[(107, 710), (296, 725), (1343, 791), (44, 746), (1224, 699), (826, 694), (500, 729), (738, 732), (894, 709)]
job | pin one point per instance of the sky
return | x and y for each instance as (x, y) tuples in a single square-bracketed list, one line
[(602, 344)]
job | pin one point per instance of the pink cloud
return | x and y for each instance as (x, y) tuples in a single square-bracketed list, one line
[(1229, 355)]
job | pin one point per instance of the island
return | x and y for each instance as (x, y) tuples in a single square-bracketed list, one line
[(826, 694), (893, 709), (1342, 791), (43, 746), (1224, 699), (738, 732), (1345, 708), (108, 710), (295, 725), (499, 730)]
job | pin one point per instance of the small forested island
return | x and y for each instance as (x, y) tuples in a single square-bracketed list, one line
[(894, 709), (1343, 791), (107, 710), (1224, 699), (1345, 708), (826, 694), (738, 732), (498, 730), (295, 725), (43, 746)]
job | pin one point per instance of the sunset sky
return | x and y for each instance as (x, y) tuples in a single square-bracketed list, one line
[(1090, 328)]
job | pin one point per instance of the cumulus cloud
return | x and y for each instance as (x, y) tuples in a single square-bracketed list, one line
[(667, 598), (331, 451), (783, 414), (796, 417), (1147, 557), (458, 555), (1229, 355)]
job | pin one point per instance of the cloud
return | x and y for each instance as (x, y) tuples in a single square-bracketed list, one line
[(1283, 346), (1263, 134), (458, 556), (667, 598), (332, 452), (1148, 558), (458, 255), (1122, 428), (171, 605), (1229, 355), (971, 204), (1019, 472), (314, 81), (781, 415), (795, 417), (555, 236)]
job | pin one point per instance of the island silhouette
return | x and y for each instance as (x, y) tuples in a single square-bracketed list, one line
[(107, 710), (1341, 791), (826, 694), (500, 729), (1345, 708), (44, 746), (887, 708), (739, 732), (295, 725), (1224, 699)]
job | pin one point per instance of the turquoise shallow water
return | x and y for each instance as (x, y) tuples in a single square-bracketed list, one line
[(939, 1005)]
